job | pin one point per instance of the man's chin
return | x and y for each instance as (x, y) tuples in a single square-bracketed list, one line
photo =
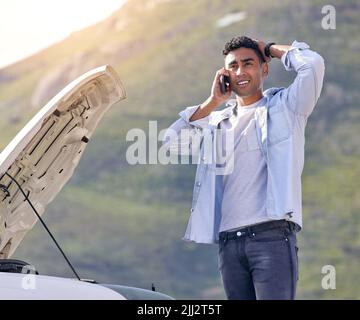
[(243, 94)]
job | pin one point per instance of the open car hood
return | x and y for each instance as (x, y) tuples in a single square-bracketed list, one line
[(43, 155)]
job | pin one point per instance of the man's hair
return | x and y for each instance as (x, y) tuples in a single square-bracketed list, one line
[(243, 42)]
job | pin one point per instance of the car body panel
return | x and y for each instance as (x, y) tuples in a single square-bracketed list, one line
[(21, 286)]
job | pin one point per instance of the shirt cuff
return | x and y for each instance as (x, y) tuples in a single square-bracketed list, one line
[(188, 112), (286, 58)]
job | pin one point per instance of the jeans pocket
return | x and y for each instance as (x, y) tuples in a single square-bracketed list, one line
[(270, 235), (221, 246)]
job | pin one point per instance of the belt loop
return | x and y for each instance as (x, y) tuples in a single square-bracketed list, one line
[(250, 232), (225, 237), (290, 225)]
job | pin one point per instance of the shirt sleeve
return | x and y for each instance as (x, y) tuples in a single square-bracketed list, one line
[(188, 112), (302, 95), (183, 137)]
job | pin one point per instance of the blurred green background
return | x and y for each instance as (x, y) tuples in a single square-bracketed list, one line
[(123, 224)]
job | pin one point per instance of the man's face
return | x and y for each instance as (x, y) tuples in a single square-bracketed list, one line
[(246, 72)]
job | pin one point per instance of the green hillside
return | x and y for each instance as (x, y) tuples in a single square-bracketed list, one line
[(123, 224)]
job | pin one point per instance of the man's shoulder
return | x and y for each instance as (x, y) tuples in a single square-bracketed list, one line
[(272, 92), (274, 96)]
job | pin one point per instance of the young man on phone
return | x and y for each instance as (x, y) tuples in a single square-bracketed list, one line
[(254, 210)]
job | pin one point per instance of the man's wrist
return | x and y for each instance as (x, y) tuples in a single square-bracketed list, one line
[(211, 103), (267, 49), (278, 50)]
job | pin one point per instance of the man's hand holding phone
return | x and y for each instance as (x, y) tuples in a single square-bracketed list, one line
[(224, 84), (220, 92)]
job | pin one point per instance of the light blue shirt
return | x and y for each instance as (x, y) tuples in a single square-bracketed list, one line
[(280, 127)]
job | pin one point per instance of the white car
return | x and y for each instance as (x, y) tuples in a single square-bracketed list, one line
[(34, 167)]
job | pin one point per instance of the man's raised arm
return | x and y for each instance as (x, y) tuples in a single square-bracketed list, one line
[(302, 95)]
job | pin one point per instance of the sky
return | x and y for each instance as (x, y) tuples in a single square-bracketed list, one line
[(28, 26)]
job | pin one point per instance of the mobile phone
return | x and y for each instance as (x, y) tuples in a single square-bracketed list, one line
[(224, 83)]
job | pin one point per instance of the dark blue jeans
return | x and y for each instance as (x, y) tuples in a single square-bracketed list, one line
[(259, 265)]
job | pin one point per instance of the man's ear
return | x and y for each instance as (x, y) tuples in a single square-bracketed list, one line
[(265, 69)]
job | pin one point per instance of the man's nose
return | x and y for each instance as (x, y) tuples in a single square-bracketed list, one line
[(238, 71)]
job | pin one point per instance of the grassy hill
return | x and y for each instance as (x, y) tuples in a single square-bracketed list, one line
[(123, 224)]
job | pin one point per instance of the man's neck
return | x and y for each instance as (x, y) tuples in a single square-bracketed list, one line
[(245, 101)]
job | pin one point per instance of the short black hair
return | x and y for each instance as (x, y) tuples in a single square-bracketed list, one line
[(243, 42)]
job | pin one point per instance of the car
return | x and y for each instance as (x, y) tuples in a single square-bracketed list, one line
[(34, 167)]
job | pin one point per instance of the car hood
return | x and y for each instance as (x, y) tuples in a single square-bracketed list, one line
[(43, 155)]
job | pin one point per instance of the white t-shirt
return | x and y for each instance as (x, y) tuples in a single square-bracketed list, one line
[(244, 189)]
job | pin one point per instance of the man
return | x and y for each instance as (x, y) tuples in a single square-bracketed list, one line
[(254, 210)]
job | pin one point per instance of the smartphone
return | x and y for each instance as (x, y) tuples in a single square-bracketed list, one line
[(224, 84)]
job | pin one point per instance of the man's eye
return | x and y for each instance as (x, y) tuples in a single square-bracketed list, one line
[(248, 63)]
